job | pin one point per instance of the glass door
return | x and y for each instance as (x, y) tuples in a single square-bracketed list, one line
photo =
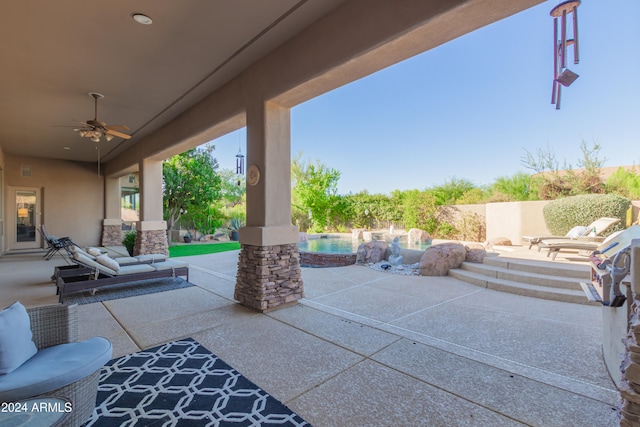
[(26, 217)]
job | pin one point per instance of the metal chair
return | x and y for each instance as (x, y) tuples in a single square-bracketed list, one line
[(54, 244)]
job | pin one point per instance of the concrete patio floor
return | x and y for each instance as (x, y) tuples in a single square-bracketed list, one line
[(369, 348)]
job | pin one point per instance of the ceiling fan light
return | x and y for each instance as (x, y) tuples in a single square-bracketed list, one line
[(96, 133), (95, 138), (108, 137)]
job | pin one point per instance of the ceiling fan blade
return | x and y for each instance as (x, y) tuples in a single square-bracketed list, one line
[(116, 127), (118, 134)]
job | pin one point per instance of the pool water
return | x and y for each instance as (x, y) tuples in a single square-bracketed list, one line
[(343, 245)]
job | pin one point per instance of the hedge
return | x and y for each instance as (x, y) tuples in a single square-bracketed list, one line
[(562, 215)]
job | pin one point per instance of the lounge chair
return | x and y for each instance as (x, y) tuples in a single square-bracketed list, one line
[(92, 274), (122, 260), (618, 238), (578, 232), (54, 244), (55, 364)]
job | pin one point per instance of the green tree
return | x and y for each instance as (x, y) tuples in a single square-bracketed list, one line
[(315, 188), (553, 183), (625, 183), (190, 184), (452, 190), (516, 187), (420, 210), (373, 210), (233, 187)]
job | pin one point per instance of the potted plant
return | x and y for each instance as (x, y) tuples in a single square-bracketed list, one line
[(234, 226), (187, 237), (129, 241)]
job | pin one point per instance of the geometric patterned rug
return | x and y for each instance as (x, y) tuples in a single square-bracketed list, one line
[(183, 384)]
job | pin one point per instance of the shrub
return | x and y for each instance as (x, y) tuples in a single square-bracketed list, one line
[(129, 240), (563, 214), (625, 183)]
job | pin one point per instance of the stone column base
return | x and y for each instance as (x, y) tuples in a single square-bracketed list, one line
[(269, 277), (112, 234), (151, 238)]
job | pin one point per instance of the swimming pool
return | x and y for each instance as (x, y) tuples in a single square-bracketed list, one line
[(344, 245), (335, 251)]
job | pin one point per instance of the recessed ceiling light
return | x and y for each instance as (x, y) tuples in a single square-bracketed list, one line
[(142, 19)]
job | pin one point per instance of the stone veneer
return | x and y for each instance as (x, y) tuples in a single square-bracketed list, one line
[(318, 259), (151, 242), (268, 276), (112, 235)]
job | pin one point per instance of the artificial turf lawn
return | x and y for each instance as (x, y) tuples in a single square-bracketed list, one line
[(202, 249)]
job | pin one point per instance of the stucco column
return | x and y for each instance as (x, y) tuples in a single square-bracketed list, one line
[(151, 231), (112, 224), (269, 262)]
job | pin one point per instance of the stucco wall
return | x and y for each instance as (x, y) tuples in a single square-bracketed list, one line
[(515, 219), (3, 191), (72, 195)]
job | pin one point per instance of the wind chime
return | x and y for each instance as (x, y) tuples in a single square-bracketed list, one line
[(239, 162), (562, 76)]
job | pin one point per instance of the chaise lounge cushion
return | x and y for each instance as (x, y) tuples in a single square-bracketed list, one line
[(151, 258), (108, 262), (16, 343), (55, 367)]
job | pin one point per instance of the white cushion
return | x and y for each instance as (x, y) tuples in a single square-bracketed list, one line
[(108, 262), (16, 343), (94, 251), (577, 231)]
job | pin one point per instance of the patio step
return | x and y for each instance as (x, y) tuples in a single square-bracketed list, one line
[(550, 268), (528, 278)]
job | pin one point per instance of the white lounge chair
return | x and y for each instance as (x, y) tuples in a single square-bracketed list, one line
[(93, 273), (578, 232)]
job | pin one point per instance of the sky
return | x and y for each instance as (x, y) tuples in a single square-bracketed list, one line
[(472, 108)]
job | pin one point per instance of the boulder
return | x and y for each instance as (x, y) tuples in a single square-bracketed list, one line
[(437, 260), (415, 235), (221, 237), (476, 253), (372, 252), (498, 241)]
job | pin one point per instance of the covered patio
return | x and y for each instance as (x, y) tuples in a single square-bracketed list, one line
[(360, 346), (370, 348)]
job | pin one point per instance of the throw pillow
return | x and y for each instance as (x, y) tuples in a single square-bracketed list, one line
[(16, 343), (578, 231), (94, 251), (108, 262)]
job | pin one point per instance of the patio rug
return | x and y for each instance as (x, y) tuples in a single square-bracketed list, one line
[(183, 384), (126, 290)]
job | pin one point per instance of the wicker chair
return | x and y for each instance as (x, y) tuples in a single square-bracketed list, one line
[(58, 324)]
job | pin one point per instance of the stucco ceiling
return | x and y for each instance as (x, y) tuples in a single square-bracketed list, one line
[(55, 52)]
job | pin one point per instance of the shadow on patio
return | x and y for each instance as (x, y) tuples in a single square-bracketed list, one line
[(367, 348)]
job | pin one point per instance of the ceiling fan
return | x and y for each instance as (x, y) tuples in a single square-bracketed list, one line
[(95, 129)]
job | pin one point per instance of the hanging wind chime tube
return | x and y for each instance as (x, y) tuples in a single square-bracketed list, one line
[(562, 76), (239, 161)]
